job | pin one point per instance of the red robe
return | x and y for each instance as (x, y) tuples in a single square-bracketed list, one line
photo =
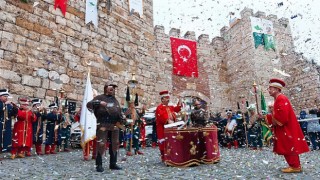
[(22, 130), (143, 130), (288, 137), (162, 117)]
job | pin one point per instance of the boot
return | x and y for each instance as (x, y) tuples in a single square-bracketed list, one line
[(138, 152), (47, 149), (94, 150), (21, 155), (229, 145), (53, 149), (129, 153), (162, 156), (28, 153), (154, 145), (115, 167), (235, 143), (38, 149), (113, 161), (13, 156), (143, 144), (99, 167)]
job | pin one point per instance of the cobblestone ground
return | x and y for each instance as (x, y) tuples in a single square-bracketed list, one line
[(234, 164)]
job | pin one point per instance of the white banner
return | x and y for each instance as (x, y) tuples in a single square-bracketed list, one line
[(92, 12), (136, 5), (88, 122), (262, 26)]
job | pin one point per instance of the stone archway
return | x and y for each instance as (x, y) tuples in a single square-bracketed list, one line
[(193, 93)]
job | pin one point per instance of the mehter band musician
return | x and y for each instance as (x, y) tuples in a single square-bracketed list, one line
[(288, 138), (8, 111), (22, 130), (165, 114)]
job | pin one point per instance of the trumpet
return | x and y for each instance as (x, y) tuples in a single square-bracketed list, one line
[(14, 105)]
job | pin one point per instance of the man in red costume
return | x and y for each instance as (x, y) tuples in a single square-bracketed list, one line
[(165, 114), (288, 137), (22, 131)]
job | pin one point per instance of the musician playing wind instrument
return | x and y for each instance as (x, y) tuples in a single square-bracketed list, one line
[(65, 130), (8, 111), (52, 131), (37, 126)]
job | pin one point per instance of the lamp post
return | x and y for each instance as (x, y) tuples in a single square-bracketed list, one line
[(132, 84), (255, 94)]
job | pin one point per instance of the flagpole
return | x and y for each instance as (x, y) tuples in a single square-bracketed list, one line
[(256, 96)]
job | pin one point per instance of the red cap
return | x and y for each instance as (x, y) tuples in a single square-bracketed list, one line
[(24, 101), (278, 83), (164, 93)]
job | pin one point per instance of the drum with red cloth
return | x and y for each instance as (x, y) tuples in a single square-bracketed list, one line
[(192, 146)]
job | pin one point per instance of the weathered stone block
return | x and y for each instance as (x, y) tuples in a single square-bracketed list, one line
[(9, 17), (1, 54), (24, 23), (20, 39), (53, 75), (7, 35), (74, 41), (61, 20), (54, 86), (45, 83), (43, 73), (42, 30), (21, 90), (39, 93), (64, 78), (8, 45), (31, 81)]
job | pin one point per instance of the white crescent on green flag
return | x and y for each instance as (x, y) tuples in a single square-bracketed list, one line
[(263, 33), (92, 12), (88, 122)]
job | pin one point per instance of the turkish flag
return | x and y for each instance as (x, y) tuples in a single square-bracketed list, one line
[(184, 57), (62, 4)]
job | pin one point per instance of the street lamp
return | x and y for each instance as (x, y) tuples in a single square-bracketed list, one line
[(133, 82)]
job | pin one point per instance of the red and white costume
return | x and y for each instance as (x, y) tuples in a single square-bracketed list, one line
[(22, 132), (288, 137), (164, 113)]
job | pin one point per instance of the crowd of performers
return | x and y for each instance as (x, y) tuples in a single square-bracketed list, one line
[(29, 123), (34, 124)]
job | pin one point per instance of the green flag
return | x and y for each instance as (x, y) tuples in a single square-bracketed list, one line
[(266, 132), (258, 39), (268, 42), (263, 102)]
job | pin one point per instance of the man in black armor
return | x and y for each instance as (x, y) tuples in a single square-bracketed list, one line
[(107, 110), (199, 116)]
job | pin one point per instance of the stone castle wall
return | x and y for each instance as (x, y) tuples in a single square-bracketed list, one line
[(42, 51)]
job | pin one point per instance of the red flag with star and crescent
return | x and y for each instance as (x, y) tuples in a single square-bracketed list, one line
[(184, 57)]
